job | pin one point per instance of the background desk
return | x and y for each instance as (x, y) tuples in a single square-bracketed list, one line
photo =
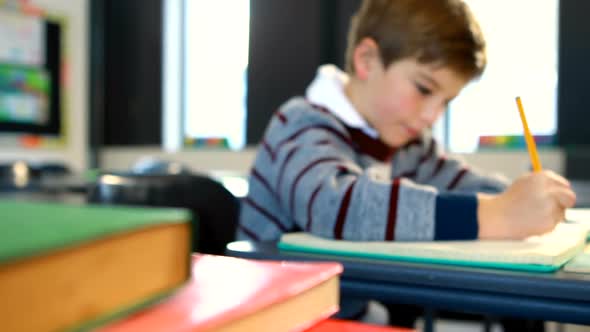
[(560, 296)]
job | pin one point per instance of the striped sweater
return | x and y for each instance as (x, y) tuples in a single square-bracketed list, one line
[(314, 173)]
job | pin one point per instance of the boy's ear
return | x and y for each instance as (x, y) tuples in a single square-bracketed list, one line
[(365, 57)]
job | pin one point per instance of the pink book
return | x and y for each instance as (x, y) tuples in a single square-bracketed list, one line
[(336, 325), (235, 294)]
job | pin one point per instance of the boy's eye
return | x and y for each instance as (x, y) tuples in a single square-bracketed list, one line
[(423, 90)]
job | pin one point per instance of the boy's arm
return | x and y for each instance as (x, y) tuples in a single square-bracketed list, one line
[(322, 189), (430, 166), (532, 204)]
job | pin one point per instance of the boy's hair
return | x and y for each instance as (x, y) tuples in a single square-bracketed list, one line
[(438, 32)]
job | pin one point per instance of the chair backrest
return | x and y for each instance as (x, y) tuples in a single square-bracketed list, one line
[(213, 206), (26, 176)]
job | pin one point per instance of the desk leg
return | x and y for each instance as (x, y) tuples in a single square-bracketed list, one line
[(429, 315), (560, 327), (488, 321)]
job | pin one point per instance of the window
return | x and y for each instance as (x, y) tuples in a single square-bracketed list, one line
[(212, 64), (213, 58), (522, 61)]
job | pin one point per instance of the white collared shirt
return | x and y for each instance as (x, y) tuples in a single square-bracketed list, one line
[(327, 90)]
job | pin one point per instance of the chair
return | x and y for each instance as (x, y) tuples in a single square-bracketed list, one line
[(22, 176), (17, 176), (215, 210)]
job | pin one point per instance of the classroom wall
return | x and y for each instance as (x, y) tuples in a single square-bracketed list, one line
[(118, 158), (74, 151)]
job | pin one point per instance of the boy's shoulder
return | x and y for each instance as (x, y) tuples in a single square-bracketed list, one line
[(301, 106), (299, 112)]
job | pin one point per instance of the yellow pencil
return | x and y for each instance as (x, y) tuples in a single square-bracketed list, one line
[(530, 141)]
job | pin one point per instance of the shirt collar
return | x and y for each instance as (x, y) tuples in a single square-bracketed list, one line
[(327, 90)]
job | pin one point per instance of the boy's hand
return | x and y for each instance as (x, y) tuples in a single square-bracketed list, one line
[(532, 205)]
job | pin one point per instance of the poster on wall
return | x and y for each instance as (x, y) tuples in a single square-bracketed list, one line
[(22, 39), (31, 80)]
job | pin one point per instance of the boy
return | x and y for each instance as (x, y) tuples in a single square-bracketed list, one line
[(354, 160)]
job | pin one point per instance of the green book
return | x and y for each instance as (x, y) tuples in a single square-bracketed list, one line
[(66, 267), (537, 253)]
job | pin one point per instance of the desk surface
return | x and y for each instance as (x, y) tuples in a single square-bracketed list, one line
[(559, 296)]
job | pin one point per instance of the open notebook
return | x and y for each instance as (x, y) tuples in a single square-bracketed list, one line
[(580, 263), (537, 253), (578, 216)]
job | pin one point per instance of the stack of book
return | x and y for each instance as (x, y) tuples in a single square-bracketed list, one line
[(229, 294), (65, 266), (81, 267), (233, 294)]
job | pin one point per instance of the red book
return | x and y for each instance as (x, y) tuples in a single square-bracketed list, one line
[(336, 325), (235, 294)]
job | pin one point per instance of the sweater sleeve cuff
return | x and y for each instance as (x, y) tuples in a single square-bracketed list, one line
[(456, 217)]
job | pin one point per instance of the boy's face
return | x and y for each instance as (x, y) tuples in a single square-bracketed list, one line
[(407, 97)]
